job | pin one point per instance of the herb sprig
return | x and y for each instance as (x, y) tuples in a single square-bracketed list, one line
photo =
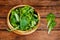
[(51, 22)]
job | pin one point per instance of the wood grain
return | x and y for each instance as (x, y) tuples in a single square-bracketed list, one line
[(38, 35), (31, 2), (43, 11)]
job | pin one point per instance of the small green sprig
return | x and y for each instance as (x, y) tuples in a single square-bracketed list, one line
[(51, 22)]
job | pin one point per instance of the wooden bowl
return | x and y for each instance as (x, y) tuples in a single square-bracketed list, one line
[(19, 31)]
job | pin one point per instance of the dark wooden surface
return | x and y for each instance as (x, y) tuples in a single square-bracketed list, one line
[(43, 7)]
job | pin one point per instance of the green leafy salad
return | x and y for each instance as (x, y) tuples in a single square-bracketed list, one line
[(23, 18)]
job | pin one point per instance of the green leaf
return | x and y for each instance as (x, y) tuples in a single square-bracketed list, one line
[(23, 23), (17, 17), (50, 16), (13, 21), (13, 12), (51, 26), (33, 23)]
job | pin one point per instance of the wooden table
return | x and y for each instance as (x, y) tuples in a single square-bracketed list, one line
[(44, 7)]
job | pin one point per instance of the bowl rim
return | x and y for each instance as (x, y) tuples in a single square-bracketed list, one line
[(19, 31)]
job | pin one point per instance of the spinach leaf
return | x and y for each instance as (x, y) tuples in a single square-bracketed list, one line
[(51, 26), (51, 22), (50, 17)]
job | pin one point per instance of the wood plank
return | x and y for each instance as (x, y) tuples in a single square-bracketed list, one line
[(43, 11), (3, 24), (38, 35), (31, 2), (4, 11)]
